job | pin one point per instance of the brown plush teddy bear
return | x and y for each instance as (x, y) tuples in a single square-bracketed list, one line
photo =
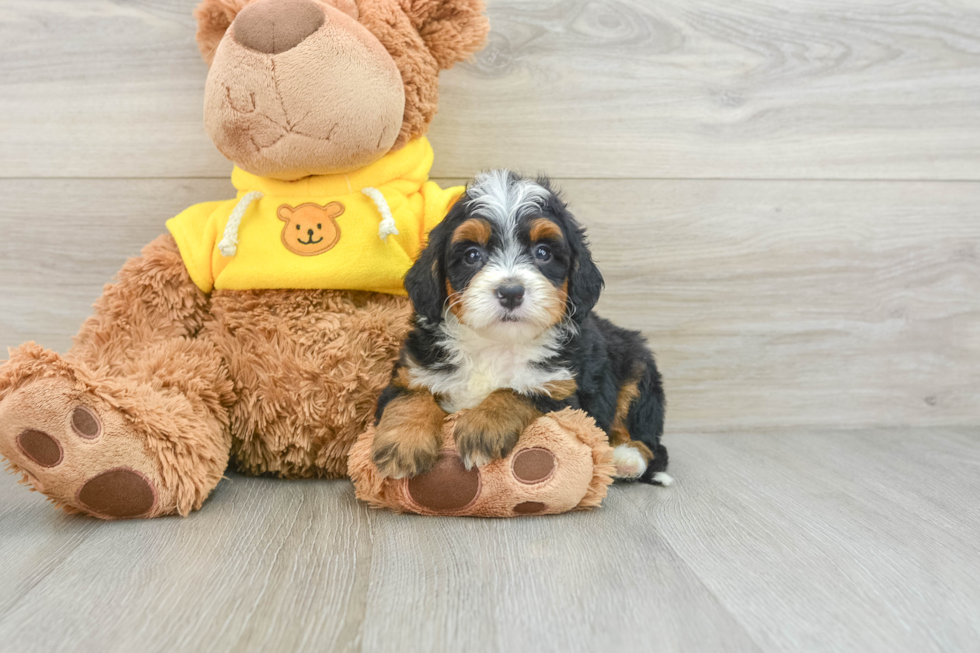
[(219, 342)]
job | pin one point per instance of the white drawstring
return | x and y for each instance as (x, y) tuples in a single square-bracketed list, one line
[(229, 244), (387, 226)]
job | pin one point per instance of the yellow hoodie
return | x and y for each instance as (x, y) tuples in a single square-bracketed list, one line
[(356, 231)]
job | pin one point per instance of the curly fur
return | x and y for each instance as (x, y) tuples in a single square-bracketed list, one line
[(308, 368)]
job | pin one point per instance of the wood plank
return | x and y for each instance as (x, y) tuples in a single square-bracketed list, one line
[(797, 302), (584, 582), (624, 88), (266, 565), (832, 541), (767, 303), (54, 262), (795, 540)]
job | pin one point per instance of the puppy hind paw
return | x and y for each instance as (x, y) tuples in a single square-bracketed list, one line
[(629, 462)]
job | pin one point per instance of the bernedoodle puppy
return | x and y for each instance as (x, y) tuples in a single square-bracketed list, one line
[(504, 328)]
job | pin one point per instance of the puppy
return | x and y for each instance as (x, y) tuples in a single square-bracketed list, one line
[(504, 328)]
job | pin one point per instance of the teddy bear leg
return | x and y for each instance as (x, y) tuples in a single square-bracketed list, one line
[(133, 421)]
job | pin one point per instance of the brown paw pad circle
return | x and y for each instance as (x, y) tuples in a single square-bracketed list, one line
[(40, 447), (529, 508), (118, 493), (534, 465), (448, 487), (86, 423)]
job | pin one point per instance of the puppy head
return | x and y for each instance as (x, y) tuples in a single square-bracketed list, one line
[(509, 261)]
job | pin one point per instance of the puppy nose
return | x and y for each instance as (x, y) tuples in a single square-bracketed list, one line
[(510, 295), (274, 26)]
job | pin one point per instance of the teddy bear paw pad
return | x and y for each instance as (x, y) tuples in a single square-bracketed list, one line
[(447, 487), (85, 422), (118, 493), (88, 459), (535, 465), (529, 508), (40, 447)]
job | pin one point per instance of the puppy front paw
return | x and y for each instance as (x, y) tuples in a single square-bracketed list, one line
[(409, 436), (483, 435), (404, 458)]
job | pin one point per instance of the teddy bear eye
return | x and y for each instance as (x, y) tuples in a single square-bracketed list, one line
[(318, 225), (297, 227)]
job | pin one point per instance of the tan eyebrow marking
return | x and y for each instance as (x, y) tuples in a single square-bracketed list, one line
[(474, 230), (545, 229)]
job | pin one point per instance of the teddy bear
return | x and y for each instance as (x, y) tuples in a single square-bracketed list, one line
[(218, 343), (260, 330)]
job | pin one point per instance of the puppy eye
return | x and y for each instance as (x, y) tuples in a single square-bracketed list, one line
[(472, 255), (542, 253)]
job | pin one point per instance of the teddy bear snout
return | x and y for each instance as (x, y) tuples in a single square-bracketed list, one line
[(275, 26)]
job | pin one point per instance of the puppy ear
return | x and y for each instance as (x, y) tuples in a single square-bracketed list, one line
[(213, 19), (451, 29), (426, 280), (585, 281)]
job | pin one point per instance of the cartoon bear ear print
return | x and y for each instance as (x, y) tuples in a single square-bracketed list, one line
[(451, 29), (334, 209), (213, 19), (285, 213)]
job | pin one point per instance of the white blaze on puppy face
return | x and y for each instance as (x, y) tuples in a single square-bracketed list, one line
[(504, 201)]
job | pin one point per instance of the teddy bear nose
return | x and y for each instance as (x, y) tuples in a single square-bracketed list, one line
[(274, 26)]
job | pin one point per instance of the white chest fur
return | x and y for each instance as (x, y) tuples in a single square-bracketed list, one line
[(483, 365)]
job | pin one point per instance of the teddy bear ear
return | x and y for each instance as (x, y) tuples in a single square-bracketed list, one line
[(451, 29), (213, 19), (285, 213)]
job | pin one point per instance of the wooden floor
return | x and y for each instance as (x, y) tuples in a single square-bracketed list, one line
[(784, 197), (815, 540)]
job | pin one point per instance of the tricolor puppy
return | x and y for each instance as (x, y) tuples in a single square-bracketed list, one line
[(504, 328)]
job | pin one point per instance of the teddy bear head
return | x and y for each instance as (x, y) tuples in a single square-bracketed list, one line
[(309, 87)]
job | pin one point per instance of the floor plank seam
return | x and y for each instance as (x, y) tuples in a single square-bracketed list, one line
[(644, 510)]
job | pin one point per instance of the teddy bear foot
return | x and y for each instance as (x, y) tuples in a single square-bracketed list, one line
[(80, 453), (450, 488), (562, 462)]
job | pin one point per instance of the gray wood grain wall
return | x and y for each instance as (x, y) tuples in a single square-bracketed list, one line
[(785, 197)]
